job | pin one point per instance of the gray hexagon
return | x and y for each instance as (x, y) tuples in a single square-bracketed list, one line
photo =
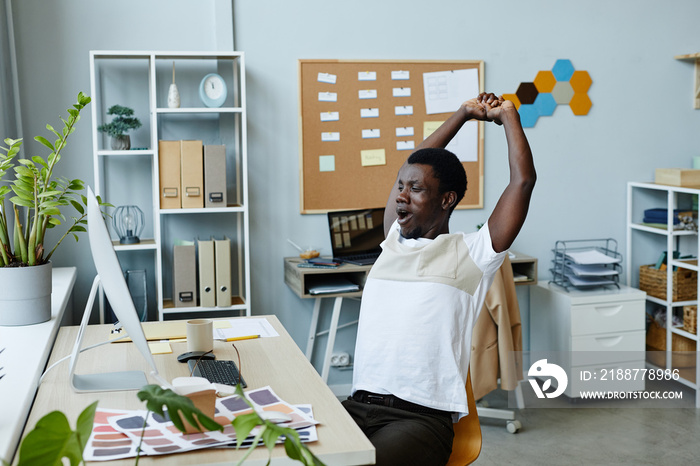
[(562, 92)]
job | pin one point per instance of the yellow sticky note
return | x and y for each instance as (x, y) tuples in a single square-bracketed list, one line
[(373, 157), (222, 324), (429, 127), (160, 348)]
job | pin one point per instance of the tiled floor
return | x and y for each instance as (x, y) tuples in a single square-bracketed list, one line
[(591, 433)]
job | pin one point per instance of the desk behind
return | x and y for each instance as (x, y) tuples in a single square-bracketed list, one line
[(27, 348), (299, 279), (276, 362)]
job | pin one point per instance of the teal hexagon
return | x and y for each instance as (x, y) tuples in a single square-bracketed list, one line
[(528, 115), (545, 104), (563, 69)]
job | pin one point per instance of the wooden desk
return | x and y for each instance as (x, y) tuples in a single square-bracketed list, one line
[(524, 265), (299, 279), (276, 362), (27, 349)]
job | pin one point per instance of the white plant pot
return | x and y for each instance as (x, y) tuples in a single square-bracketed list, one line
[(121, 142), (25, 295)]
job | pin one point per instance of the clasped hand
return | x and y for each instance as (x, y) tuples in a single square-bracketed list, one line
[(487, 107)]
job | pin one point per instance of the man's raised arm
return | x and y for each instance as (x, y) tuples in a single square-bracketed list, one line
[(508, 216)]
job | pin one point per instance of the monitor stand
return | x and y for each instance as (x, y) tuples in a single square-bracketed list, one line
[(112, 381)]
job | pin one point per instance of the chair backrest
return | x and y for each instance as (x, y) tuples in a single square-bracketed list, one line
[(466, 446)]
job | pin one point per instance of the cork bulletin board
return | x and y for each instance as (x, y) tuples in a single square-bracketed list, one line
[(361, 119)]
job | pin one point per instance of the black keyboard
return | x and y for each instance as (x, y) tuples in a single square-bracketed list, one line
[(215, 371)]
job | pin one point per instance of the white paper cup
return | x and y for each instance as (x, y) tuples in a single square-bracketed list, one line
[(200, 335)]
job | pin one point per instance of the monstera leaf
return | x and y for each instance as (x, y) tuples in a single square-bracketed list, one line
[(52, 439), (269, 433), (157, 397)]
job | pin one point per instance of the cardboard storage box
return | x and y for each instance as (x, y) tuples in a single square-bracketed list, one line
[(685, 177)]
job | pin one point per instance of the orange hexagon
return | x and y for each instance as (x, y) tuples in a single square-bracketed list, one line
[(580, 103), (513, 98), (545, 81), (580, 81)]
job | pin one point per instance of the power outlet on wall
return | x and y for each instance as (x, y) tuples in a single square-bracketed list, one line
[(340, 359)]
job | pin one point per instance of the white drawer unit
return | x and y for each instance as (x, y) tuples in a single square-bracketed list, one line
[(591, 319), (601, 326)]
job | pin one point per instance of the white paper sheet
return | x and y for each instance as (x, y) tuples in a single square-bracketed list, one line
[(330, 116), (465, 144), (596, 270), (327, 78), (588, 281), (367, 76), (370, 133), (327, 96), (401, 92), (369, 113), (445, 91), (591, 256), (246, 327), (404, 131)]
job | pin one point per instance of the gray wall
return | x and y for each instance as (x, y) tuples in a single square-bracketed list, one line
[(642, 115), (53, 41)]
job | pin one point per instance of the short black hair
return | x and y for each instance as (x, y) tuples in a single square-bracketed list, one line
[(446, 168)]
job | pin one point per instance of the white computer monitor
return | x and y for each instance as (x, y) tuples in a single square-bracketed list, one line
[(110, 277)]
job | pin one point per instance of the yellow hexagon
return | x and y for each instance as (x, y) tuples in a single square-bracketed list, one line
[(545, 81), (580, 81), (513, 98), (580, 103)]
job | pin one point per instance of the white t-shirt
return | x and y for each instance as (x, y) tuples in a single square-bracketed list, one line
[(418, 309)]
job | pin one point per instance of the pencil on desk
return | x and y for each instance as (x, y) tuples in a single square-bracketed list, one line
[(248, 337)]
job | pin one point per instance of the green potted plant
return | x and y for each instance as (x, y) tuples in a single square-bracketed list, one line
[(123, 121), (37, 200)]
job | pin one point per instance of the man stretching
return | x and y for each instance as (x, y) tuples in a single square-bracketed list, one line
[(425, 291)]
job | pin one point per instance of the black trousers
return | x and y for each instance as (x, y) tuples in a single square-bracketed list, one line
[(403, 437)]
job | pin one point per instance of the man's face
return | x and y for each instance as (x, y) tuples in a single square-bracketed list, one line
[(419, 203)]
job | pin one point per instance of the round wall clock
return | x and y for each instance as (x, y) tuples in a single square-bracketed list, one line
[(212, 90)]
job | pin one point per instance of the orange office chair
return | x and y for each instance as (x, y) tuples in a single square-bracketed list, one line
[(466, 446)]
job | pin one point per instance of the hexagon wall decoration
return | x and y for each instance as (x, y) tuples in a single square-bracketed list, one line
[(562, 85)]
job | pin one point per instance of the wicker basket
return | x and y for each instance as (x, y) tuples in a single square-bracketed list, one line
[(681, 347), (690, 319), (653, 281)]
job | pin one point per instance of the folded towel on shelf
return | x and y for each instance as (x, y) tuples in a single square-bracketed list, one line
[(661, 216)]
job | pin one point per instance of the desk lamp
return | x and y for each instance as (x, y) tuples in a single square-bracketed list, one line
[(128, 223)]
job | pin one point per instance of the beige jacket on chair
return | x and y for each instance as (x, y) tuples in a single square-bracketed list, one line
[(497, 334)]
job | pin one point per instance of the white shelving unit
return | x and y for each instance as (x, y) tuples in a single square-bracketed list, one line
[(140, 80), (645, 244)]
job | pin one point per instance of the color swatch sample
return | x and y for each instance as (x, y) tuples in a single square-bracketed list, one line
[(116, 433)]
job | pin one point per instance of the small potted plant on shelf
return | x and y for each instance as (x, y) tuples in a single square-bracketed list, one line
[(123, 121), (37, 199)]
